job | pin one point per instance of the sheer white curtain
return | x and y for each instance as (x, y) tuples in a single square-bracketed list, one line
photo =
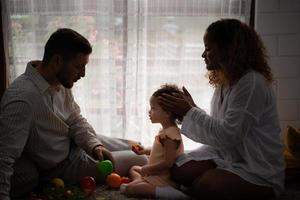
[(138, 45)]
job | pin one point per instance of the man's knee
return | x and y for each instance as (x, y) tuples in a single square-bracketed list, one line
[(124, 160), (25, 177)]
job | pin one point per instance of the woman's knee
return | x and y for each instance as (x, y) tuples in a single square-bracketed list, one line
[(179, 174), (189, 171), (220, 184), (204, 187)]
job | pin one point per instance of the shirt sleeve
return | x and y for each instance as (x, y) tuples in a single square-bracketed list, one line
[(15, 121), (245, 103), (81, 131)]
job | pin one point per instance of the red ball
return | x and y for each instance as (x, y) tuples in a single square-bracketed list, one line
[(125, 180), (88, 184)]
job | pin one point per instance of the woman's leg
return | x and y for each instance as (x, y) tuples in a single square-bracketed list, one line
[(221, 184), (188, 172)]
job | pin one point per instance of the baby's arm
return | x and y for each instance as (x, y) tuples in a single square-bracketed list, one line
[(170, 148), (140, 150)]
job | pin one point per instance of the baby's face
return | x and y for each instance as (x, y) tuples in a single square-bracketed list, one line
[(156, 113)]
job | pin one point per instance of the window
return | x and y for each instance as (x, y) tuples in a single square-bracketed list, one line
[(138, 45)]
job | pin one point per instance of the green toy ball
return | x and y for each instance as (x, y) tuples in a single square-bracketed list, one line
[(104, 167)]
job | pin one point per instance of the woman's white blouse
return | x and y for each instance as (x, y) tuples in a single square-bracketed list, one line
[(242, 134)]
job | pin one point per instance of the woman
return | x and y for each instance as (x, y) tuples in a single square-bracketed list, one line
[(241, 156)]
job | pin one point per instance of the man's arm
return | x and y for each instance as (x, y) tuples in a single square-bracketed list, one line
[(14, 130), (81, 131)]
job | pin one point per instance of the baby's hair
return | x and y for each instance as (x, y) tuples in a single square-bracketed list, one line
[(169, 89)]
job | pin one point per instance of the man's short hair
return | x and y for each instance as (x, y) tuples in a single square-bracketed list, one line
[(67, 43)]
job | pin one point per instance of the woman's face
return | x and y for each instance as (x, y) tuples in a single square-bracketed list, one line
[(212, 54)]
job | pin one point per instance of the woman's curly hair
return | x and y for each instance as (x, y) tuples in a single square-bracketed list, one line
[(169, 89), (242, 49)]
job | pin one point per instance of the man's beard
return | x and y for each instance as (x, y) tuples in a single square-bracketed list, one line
[(62, 78)]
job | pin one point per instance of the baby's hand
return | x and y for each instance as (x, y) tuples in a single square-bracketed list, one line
[(138, 149)]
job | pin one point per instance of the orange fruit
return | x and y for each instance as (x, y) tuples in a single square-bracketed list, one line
[(113, 180), (136, 148)]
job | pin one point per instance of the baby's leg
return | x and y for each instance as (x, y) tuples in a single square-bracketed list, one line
[(135, 172), (140, 189)]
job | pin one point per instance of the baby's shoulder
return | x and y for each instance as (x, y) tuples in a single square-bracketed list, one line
[(172, 132)]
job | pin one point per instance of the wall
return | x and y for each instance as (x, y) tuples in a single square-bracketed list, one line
[(278, 23)]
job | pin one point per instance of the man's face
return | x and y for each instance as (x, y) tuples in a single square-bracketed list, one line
[(72, 70)]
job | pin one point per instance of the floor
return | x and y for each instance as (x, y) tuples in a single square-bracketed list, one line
[(292, 192)]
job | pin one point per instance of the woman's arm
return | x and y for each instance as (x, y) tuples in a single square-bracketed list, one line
[(245, 103)]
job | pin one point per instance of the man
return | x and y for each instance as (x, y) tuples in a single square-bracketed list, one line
[(42, 133)]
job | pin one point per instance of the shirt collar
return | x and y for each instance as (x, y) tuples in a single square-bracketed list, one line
[(37, 78)]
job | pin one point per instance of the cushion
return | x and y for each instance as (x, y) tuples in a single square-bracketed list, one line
[(292, 147)]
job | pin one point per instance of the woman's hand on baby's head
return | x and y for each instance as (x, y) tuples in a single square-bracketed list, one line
[(176, 103)]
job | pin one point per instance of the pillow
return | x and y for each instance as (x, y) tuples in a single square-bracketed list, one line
[(292, 147)]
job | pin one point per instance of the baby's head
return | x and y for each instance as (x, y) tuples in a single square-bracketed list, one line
[(165, 89)]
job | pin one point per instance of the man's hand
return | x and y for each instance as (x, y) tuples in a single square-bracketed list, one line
[(101, 153), (179, 103)]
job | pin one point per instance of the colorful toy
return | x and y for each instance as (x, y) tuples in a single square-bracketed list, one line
[(48, 192), (88, 184), (104, 167), (125, 179), (136, 148), (113, 180), (68, 193), (57, 183)]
